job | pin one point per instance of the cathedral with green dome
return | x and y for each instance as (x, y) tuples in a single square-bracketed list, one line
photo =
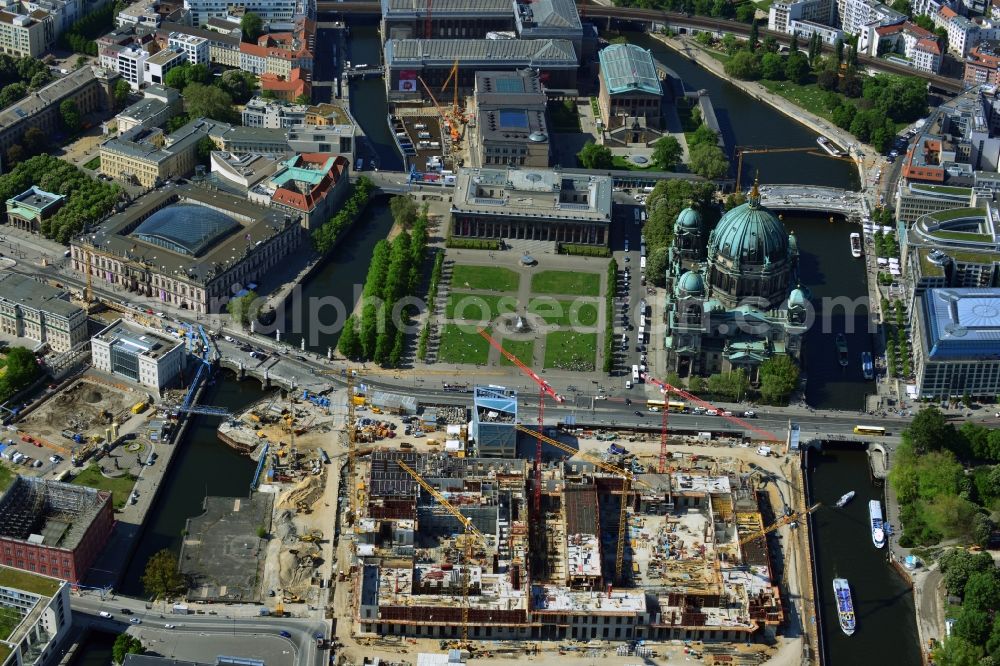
[(733, 298)]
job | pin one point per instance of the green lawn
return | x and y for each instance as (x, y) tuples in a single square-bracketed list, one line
[(963, 236), (619, 162), (566, 282), (458, 346), (564, 313), (478, 307), (120, 487), (808, 96), (522, 349), (6, 477), (9, 619), (484, 277), (568, 350), (93, 164), (25, 580)]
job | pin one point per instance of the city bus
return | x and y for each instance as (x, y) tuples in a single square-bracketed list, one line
[(869, 430), (672, 405), (635, 374)]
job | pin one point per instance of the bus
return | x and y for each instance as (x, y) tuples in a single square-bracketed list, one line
[(869, 430), (635, 374), (672, 405)]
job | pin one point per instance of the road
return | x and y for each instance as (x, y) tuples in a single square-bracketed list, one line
[(231, 621)]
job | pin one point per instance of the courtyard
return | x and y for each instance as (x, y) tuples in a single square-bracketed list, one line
[(548, 316)]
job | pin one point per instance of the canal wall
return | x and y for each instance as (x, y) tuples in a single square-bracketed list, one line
[(689, 50), (815, 637)]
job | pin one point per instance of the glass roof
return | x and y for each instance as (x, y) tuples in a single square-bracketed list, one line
[(185, 228)]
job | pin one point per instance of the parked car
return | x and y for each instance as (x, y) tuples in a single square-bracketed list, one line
[(284, 634), (135, 620)]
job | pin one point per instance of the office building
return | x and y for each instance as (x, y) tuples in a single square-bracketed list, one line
[(148, 157), (782, 14), (510, 127), (27, 210), (261, 112), (531, 204), (187, 246), (955, 334), (194, 49), (53, 528), (26, 35), (494, 417), (33, 310), (139, 355), (40, 607), (277, 12), (158, 105), (223, 45), (956, 247), (131, 64), (157, 65)]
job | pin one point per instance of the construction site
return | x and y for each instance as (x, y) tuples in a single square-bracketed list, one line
[(77, 418)]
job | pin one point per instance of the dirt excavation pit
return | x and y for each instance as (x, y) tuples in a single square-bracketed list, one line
[(85, 407)]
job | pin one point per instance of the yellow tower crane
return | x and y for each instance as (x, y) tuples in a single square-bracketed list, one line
[(780, 522), (628, 480), (471, 534)]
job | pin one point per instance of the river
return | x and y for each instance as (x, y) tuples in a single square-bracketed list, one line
[(826, 268), (886, 624)]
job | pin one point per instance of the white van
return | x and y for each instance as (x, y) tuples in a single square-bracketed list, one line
[(105, 614)]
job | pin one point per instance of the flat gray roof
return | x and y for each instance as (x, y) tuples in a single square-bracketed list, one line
[(54, 92), (16, 288), (211, 35), (962, 324), (548, 15), (140, 341), (546, 53), (544, 194)]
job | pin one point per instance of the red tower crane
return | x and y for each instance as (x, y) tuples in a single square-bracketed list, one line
[(543, 389), (668, 388)]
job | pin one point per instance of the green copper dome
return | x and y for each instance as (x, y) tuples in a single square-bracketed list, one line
[(689, 218), (749, 235), (691, 284)]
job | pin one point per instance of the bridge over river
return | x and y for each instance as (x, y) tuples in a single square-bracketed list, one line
[(815, 198)]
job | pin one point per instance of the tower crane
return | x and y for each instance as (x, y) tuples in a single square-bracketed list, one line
[(740, 151), (543, 389), (455, 136), (780, 522), (471, 534), (453, 75), (628, 479), (765, 435)]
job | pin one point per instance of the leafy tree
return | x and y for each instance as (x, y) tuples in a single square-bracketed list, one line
[(797, 67), (772, 67), (696, 384), (708, 161), (121, 93), (779, 376), (744, 65), (958, 565), (982, 592), (957, 651), (703, 135), (815, 48), (243, 309), (928, 431), (252, 27), (827, 79), (850, 85), (12, 93), (203, 150), (656, 266), (126, 644), (754, 40), (838, 48), (404, 210), (745, 12), (35, 141), (901, 6), (730, 44), (177, 77), (177, 122), (303, 99), (667, 152), (15, 155), (70, 115), (39, 79), (161, 578), (239, 85), (349, 343), (593, 156), (208, 102), (21, 370), (972, 625)]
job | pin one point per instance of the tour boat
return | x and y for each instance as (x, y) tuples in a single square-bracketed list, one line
[(867, 366), (878, 528), (842, 349), (856, 245), (844, 499), (845, 605), (825, 144)]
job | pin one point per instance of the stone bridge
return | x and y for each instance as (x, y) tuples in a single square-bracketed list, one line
[(815, 198)]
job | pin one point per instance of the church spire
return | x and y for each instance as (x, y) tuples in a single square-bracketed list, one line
[(754, 196)]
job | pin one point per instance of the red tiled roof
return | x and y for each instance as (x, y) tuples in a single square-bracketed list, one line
[(947, 12), (929, 45), (884, 30), (917, 31), (309, 200)]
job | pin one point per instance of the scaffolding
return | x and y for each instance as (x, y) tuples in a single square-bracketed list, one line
[(60, 513)]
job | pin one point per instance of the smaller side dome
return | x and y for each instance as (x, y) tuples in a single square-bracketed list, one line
[(798, 298), (691, 284), (689, 218)]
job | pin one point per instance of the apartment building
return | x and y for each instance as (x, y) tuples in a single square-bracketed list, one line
[(34, 310), (42, 608), (132, 66), (272, 11), (781, 14), (856, 14), (64, 13), (914, 43), (963, 34), (26, 35), (261, 112), (223, 45)]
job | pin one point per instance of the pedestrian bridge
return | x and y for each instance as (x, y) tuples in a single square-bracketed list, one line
[(814, 198)]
